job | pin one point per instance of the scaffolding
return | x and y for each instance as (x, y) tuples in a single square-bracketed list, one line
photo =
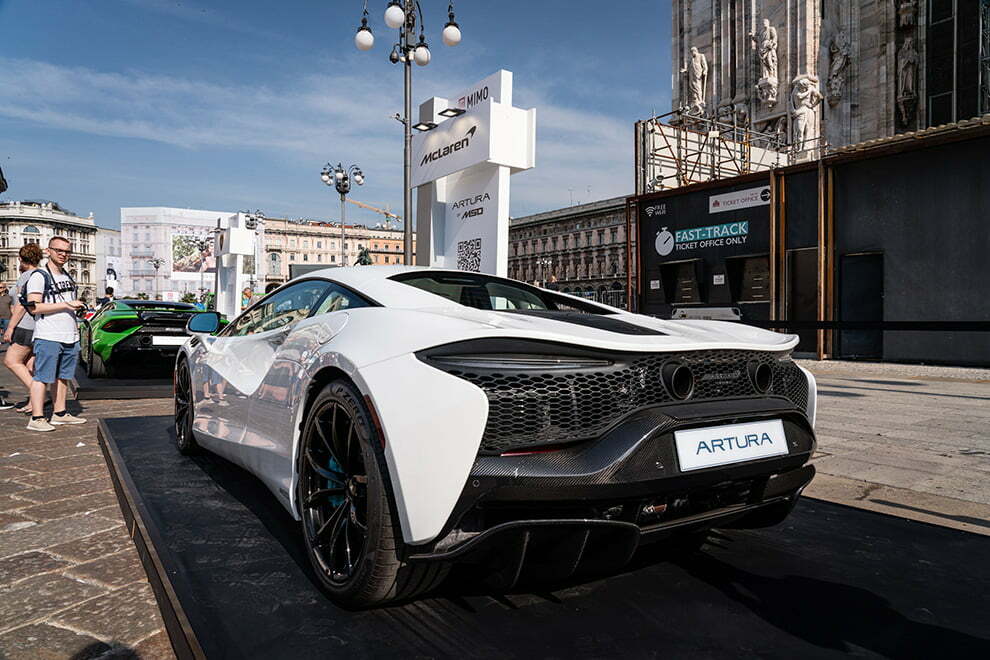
[(679, 148)]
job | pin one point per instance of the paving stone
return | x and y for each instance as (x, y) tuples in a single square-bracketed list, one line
[(9, 503), (65, 463), (8, 518), (12, 471), (114, 571), (45, 642), (71, 506), (41, 596), (71, 450), (63, 477), (156, 647), (95, 546), (51, 533), (20, 567), (11, 487), (126, 615), (16, 456), (52, 493)]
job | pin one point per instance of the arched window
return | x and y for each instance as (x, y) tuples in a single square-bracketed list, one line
[(31, 229)]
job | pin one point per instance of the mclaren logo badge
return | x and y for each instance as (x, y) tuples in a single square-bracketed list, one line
[(463, 143)]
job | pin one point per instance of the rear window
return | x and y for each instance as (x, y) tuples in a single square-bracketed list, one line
[(492, 293)]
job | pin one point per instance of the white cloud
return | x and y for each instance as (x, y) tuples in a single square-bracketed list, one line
[(310, 118)]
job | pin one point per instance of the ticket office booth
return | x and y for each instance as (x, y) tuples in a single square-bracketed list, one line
[(733, 288)]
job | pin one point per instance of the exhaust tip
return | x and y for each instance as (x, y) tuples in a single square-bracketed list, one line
[(761, 375), (678, 379)]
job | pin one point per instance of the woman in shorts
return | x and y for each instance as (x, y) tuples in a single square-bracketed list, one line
[(19, 358)]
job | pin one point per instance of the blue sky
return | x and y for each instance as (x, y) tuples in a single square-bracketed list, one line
[(234, 105)]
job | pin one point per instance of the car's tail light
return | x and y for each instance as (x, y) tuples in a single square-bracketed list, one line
[(120, 325)]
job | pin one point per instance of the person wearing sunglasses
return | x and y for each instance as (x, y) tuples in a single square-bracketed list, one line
[(52, 300)]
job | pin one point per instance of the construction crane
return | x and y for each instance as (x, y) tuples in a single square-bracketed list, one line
[(388, 214)]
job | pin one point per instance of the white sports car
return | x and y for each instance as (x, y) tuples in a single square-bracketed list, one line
[(412, 418)]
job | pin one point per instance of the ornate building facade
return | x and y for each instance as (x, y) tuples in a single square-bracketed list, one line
[(315, 243), (39, 221), (831, 73), (579, 250)]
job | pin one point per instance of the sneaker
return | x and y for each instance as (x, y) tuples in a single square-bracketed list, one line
[(67, 419), (4, 405), (40, 425)]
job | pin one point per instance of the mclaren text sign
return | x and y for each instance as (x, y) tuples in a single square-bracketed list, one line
[(490, 132)]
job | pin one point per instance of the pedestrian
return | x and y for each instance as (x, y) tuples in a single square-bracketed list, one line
[(51, 298), (100, 302), (20, 331), (5, 303)]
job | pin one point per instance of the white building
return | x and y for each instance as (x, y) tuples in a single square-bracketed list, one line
[(169, 237), (109, 265), (39, 221)]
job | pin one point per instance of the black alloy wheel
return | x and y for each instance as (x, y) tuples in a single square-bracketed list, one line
[(335, 493), (352, 539), (185, 441)]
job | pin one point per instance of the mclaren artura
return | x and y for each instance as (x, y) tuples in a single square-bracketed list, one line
[(414, 418)]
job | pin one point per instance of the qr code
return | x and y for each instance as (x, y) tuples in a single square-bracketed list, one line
[(469, 255)]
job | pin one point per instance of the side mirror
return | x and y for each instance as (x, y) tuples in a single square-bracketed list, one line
[(203, 323)]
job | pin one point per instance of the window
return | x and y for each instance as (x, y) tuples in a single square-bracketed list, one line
[(319, 245), (306, 244), (305, 256), (339, 298), (490, 293), (280, 309)]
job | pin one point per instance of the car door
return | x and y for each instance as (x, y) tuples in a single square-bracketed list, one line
[(274, 408), (236, 363)]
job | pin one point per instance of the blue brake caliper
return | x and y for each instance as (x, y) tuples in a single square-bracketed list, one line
[(335, 500)]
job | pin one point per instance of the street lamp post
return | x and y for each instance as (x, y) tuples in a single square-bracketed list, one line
[(401, 15), (156, 263), (340, 178)]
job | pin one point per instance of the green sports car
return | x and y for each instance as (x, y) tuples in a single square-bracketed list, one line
[(136, 335)]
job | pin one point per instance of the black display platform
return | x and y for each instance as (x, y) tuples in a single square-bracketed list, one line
[(229, 571), (83, 387)]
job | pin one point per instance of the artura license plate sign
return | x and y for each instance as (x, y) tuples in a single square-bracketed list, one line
[(731, 443)]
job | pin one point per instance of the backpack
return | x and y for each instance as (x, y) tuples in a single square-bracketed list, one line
[(48, 291)]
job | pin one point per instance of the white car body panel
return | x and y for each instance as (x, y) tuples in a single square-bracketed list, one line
[(433, 422)]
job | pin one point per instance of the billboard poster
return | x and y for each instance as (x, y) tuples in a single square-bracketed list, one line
[(192, 254)]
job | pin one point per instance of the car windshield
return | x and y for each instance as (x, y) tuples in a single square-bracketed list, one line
[(493, 293)]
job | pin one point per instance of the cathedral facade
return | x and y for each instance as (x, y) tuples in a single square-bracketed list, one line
[(831, 73)]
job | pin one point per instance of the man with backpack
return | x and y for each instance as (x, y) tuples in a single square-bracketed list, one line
[(51, 299)]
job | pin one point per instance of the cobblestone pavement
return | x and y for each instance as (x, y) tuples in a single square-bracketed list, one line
[(910, 441), (71, 583)]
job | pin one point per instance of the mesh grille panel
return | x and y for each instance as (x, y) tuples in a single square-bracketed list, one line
[(529, 408)]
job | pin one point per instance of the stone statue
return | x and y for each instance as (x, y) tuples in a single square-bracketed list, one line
[(838, 51), (767, 43), (907, 69), (697, 74), (906, 12), (805, 98)]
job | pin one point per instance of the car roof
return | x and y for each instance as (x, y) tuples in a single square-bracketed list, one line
[(376, 283)]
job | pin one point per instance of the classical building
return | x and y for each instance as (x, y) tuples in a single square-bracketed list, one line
[(579, 250), (37, 222), (801, 78), (312, 242)]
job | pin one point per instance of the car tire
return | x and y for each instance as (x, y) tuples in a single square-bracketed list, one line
[(95, 367), (352, 537), (185, 439)]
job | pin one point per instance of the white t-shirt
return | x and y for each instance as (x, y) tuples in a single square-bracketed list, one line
[(27, 321), (60, 326)]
